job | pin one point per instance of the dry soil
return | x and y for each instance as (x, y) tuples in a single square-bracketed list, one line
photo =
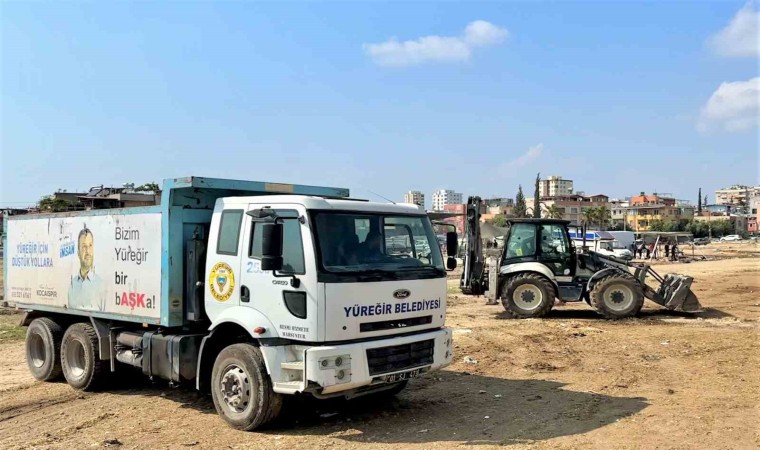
[(570, 380)]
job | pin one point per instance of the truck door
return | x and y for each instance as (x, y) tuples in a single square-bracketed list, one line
[(223, 260), (289, 300)]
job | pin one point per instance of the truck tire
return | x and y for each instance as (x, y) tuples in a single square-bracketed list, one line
[(242, 390), (82, 367), (527, 295), (43, 349), (617, 296)]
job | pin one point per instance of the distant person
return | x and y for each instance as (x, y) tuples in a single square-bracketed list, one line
[(674, 252), (667, 249), (87, 290)]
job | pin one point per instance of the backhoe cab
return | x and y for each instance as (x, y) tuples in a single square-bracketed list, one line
[(539, 263)]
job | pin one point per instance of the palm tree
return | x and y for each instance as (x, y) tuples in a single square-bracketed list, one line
[(589, 216), (603, 216), (554, 212)]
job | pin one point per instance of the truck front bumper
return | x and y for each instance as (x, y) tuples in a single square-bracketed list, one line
[(381, 362)]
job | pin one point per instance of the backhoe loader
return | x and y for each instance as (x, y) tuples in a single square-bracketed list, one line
[(539, 263)]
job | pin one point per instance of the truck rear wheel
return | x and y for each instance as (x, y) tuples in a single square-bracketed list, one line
[(43, 349), (242, 390), (80, 361), (616, 296), (527, 295)]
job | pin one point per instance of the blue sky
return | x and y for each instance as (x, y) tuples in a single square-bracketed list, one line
[(621, 97)]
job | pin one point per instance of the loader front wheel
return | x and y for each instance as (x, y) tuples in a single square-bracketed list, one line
[(527, 295), (616, 296), (242, 390)]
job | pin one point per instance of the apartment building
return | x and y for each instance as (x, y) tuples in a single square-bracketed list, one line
[(572, 206), (444, 197), (553, 186), (737, 195), (415, 197), (646, 208)]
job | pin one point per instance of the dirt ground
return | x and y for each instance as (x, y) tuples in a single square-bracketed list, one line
[(568, 381)]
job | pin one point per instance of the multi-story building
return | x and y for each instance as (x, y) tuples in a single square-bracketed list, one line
[(739, 195), (647, 208), (572, 206), (553, 186), (619, 212), (415, 197), (444, 197)]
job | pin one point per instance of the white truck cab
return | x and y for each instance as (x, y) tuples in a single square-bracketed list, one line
[(334, 310)]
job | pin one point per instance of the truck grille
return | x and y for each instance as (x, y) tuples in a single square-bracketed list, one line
[(400, 357), (395, 324)]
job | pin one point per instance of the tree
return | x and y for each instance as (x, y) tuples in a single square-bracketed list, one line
[(603, 217), (554, 212), (520, 208), (537, 198), (52, 204), (589, 216), (699, 202), (500, 220), (148, 187)]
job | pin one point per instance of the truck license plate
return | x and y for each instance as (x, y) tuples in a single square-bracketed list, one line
[(393, 378)]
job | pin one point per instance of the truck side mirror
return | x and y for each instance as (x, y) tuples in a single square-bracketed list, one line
[(271, 246), (452, 243)]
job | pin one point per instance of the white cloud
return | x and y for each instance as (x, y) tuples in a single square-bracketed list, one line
[(436, 48), (733, 107), (532, 153), (741, 37)]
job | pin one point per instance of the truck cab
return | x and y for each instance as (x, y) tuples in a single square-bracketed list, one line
[(338, 300)]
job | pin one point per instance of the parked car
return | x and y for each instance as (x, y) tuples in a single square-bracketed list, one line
[(701, 241), (731, 237)]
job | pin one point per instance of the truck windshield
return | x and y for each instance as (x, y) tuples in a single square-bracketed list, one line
[(356, 243)]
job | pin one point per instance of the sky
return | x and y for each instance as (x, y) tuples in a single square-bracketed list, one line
[(381, 98)]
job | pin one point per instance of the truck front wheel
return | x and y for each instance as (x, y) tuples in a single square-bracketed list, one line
[(242, 390), (80, 361), (43, 348)]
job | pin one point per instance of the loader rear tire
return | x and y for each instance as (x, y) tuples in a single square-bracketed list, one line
[(43, 349), (82, 366), (527, 295), (617, 296), (242, 390)]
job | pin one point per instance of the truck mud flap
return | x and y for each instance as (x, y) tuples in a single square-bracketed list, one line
[(675, 294)]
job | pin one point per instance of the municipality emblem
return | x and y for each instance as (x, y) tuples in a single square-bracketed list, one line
[(222, 281)]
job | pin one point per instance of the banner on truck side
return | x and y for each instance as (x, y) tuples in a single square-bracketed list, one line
[(108, 263)]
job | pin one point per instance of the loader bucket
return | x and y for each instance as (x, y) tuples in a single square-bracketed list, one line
[(675, 294)]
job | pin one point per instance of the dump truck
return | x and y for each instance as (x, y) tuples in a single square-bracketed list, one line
[(540, 263), (246, 290)]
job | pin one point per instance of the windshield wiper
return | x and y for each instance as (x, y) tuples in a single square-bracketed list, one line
[(378, 272), (436, 270)]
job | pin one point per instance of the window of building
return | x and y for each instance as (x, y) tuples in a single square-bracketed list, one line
[(229, 232)]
